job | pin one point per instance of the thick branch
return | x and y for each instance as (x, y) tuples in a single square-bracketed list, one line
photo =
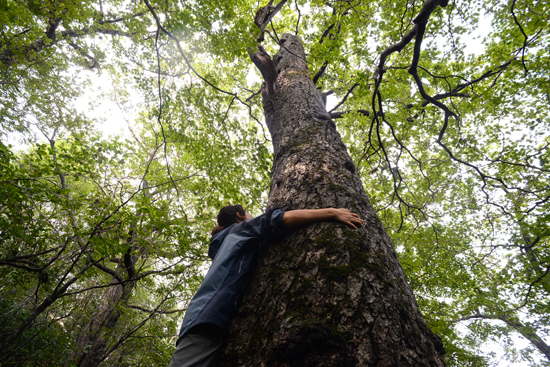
[(59, 290), (326, 32), (421, 19), (265, 64), (16, 264), (105, 269), (339, 115), (446, 95), (320, 73), (499, 69), (17, 258), (264, 15), (299, 16)]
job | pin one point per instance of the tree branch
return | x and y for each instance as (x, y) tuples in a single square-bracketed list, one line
[(299, 16), (524, 35), (264, 15), (111, 21), (528, 332), (9, 56), (265, 64), (94, 64), (326, 32), (339, 115), (155, 311), (320, 73), (345, 97)]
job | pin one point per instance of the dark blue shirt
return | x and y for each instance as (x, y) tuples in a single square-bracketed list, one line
[(234, 251)]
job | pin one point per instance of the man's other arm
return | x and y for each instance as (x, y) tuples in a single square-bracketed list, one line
[(294, 218)]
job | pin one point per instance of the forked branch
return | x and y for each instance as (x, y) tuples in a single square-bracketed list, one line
[(264, 15)]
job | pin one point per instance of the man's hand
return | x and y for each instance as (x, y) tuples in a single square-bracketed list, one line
[(295, 218), (345, 216)]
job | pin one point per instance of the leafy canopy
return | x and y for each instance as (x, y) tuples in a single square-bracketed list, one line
[(452, 147)]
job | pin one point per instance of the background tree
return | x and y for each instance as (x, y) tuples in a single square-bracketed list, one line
[(464, 199)]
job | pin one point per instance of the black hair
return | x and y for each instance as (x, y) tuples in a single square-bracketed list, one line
[(227, 216)]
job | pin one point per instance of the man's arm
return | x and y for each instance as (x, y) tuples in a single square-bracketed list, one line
[(296, 218)]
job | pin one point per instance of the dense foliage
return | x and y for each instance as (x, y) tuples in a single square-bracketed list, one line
[(103, 239)]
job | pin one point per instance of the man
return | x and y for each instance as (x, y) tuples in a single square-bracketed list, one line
[(234, 247)]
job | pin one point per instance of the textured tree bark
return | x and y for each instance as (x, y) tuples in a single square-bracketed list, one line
[(324, 295)]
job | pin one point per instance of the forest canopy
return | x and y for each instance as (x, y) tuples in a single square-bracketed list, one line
[(443, 107)]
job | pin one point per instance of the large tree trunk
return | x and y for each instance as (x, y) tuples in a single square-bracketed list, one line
[(325, 295)]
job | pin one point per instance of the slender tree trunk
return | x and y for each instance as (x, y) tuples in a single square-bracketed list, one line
[(526, 330), (528, 333), (325, 295), (92, 341)]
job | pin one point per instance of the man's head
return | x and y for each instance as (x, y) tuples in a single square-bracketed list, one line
[(228, 215)]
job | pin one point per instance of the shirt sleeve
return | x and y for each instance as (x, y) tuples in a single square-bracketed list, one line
[(266, 225)]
